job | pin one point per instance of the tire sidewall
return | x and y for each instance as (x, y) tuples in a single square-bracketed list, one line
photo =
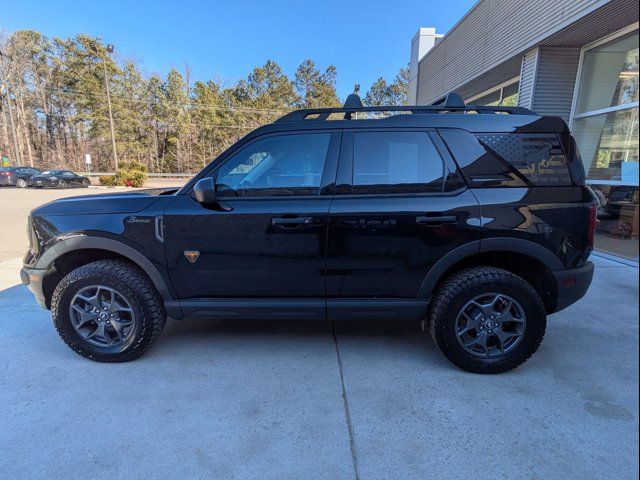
[(21, 183), (445, 330), (70, 285)]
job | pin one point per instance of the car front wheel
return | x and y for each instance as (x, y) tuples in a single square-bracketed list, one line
[(107, 311), (487, 320)]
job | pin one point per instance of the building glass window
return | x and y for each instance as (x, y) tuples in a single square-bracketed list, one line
[(605, 126), (504, 96), (609, 75)]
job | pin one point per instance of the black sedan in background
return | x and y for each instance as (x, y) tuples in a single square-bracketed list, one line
[(59, 179), (17, 176)]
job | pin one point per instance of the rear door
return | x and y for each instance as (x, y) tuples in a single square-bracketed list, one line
[(267, 236), (399, 207)]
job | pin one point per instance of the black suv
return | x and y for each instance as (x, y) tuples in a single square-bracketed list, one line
[(474, 220)]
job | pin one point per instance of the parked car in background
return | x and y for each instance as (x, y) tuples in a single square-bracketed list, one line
[(59, 179), (17, 176)]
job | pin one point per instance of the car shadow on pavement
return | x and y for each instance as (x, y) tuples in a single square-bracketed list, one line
[(184, 337), (385, 337)]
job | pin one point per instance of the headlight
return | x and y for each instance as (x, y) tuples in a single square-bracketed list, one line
[(34, 241)]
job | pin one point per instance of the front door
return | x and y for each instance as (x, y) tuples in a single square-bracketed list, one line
[(266, 238)]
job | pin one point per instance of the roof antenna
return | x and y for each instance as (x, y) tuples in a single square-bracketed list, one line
[(353, 101)]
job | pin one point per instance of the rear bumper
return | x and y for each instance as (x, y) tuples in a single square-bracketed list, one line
[(6, 181), (573, 284), (33, 278)]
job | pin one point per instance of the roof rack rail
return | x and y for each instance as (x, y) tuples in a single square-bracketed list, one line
[(319, 114)]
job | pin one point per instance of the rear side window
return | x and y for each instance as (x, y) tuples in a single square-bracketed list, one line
[(396, 162), (509, 159)]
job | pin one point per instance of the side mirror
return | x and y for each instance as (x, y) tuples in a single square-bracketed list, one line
[(205, 191)]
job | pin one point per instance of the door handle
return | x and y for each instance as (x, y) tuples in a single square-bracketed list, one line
[(436, 219), (291, 221)]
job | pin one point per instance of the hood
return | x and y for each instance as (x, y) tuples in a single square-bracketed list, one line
[(123, 202)]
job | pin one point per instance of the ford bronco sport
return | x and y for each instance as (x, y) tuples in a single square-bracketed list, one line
[(474, 220)]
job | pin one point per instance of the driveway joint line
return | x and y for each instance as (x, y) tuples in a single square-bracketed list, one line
[(345, 402)]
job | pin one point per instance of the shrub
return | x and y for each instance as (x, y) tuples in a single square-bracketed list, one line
[(108, 180), (131, 174)]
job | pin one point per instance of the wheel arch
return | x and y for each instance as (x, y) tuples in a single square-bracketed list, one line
[(531, 261), (75, 252)]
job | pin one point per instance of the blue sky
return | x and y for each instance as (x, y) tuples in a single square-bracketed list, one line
[(224, 40)]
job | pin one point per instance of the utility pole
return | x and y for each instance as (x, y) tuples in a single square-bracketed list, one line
[(12, 124), (106, 86)]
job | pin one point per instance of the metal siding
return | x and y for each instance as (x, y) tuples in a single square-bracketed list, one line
[(528, 78), (555, 81), (492, 32)]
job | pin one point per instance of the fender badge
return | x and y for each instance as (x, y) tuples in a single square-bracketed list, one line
[(192, 255)]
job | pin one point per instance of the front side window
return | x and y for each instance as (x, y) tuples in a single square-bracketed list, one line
[(396, 162), (274, 166)]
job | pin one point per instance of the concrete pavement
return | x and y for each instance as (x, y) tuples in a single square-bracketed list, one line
[(264, 400)]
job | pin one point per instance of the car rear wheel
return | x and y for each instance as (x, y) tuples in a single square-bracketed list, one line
[(62, 184), (107, 311), (487, 320), (21, 183)]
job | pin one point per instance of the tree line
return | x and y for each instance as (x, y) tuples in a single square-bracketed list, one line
[(55, 90)]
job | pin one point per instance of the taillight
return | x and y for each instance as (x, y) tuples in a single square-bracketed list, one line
[(593, 221)]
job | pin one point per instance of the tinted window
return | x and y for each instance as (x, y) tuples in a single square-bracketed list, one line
[(68, 174), (278, 165), (513, 159), (396, 162), (537, 156)]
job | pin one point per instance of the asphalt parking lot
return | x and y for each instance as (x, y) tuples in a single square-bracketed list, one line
[(288, 400)]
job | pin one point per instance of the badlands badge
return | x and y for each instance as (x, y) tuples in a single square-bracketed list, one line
[(192, 255)]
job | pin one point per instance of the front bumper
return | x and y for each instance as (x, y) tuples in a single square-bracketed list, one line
[(42, 183), (33, 278), (573, 284)]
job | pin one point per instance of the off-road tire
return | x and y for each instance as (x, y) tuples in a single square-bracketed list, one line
[(134, 285), (465, 285)]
